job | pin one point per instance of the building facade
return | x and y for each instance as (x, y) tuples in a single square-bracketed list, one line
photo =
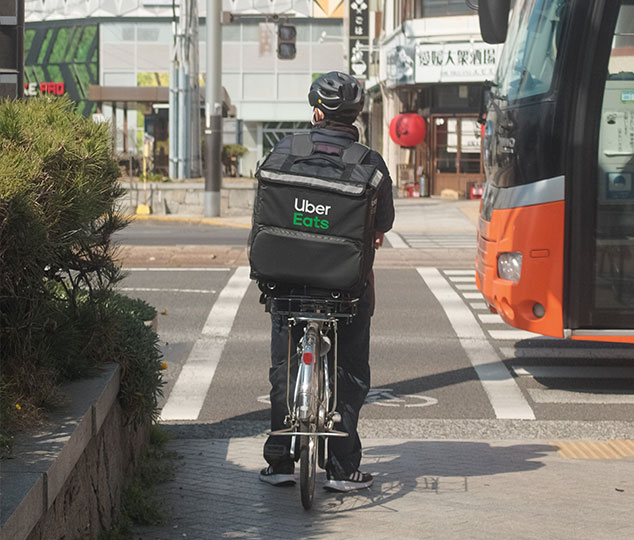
[(432, 62), (128, 43)]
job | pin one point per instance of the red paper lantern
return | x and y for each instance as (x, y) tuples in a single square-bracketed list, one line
[(407, 129)]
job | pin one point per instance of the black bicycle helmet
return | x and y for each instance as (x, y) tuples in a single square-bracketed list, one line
[(338, 95)]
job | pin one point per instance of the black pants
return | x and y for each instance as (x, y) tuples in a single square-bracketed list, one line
[(344, 453)]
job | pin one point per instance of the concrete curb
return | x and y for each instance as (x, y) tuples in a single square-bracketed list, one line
[(213, 222), (30, 483)]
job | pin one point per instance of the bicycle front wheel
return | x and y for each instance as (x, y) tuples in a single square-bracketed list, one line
[(308, 462)]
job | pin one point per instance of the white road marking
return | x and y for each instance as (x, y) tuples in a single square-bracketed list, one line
[(596, 397), (574, 372), (175, 269), (479, 305), (156, 289), (512, 334), (505, 396), (395, 240), (190, 390), (572, 352), (490, 318), (473, 295), (385, 397), (466, 287), (459, 272), (462, 279)]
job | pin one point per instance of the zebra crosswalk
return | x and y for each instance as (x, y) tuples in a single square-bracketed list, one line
[(464, 283), (433, 240), (534, 357)]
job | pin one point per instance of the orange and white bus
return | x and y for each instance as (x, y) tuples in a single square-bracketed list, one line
[(556, 228)]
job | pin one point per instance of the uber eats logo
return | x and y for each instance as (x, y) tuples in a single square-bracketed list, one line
[(308, 214)]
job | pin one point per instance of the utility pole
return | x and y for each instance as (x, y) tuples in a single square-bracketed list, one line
[(184, 122), (213, 110)]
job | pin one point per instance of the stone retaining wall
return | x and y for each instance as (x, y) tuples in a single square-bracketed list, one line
[(186, 198), (66, 482)]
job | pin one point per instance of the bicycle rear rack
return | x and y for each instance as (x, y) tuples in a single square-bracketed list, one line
[(290, 433), (321, 308)]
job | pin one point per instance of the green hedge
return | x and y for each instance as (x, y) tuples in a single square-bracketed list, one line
[(59, 315)]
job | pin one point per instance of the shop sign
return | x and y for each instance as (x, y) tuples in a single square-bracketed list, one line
[(400, 65), (456, 62), (33, 89), (359, 38)]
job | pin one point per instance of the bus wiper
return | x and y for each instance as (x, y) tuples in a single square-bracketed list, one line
[(485, 99), (504, 123), (489, 86)]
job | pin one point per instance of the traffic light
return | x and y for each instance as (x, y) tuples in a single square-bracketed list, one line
[(286, 36)]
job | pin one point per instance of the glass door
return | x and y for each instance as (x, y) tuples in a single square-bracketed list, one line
[(614, 241), (457, 150)]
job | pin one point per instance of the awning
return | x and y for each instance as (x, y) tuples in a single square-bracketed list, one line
[(130, 96)]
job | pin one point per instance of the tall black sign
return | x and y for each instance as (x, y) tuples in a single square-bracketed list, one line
[(359, 38), (11, 48)]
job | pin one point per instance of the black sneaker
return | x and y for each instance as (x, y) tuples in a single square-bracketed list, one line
[(281, 475), (356, 480)]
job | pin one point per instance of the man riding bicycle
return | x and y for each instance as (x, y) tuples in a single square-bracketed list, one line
[(337, 99)]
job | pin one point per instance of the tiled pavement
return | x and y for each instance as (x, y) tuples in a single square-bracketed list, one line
[(442, 489)]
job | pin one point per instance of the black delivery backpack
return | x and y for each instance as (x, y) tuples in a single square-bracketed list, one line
[(313, 216)]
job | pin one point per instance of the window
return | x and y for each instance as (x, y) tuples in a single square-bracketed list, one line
[(621, 65), (446, 145), (527, 65), (441, 8), (117, 32)]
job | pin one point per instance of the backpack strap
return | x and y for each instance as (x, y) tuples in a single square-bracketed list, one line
[(302, 145), (352, 156), (355, 153)]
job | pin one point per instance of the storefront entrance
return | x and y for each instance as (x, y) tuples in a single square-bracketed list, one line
[(456, 153)]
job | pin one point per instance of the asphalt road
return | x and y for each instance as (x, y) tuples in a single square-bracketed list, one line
[(440, 368), (158, 233)]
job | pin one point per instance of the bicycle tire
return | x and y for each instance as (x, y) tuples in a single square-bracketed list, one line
[(321, 452), (308, 461)]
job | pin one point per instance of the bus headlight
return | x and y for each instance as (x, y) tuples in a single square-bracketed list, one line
[(510, 265)]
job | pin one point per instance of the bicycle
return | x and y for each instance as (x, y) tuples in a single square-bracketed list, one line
[(312, 413)]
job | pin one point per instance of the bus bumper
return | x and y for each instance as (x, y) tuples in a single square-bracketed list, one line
[(535, 301)]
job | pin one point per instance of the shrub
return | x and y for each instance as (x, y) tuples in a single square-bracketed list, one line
[(231, 153), (59, 316)]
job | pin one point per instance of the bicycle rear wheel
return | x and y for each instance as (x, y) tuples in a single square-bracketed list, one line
[(308, 462)]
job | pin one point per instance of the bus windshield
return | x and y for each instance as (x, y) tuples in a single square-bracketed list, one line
[(527, 64)]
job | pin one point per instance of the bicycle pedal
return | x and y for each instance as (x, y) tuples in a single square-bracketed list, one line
[(335, 417)]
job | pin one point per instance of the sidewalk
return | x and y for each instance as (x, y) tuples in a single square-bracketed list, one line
[(436, 489), (411, 215)]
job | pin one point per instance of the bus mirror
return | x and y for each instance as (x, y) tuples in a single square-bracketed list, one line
[(485, 96), (494, 19)]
